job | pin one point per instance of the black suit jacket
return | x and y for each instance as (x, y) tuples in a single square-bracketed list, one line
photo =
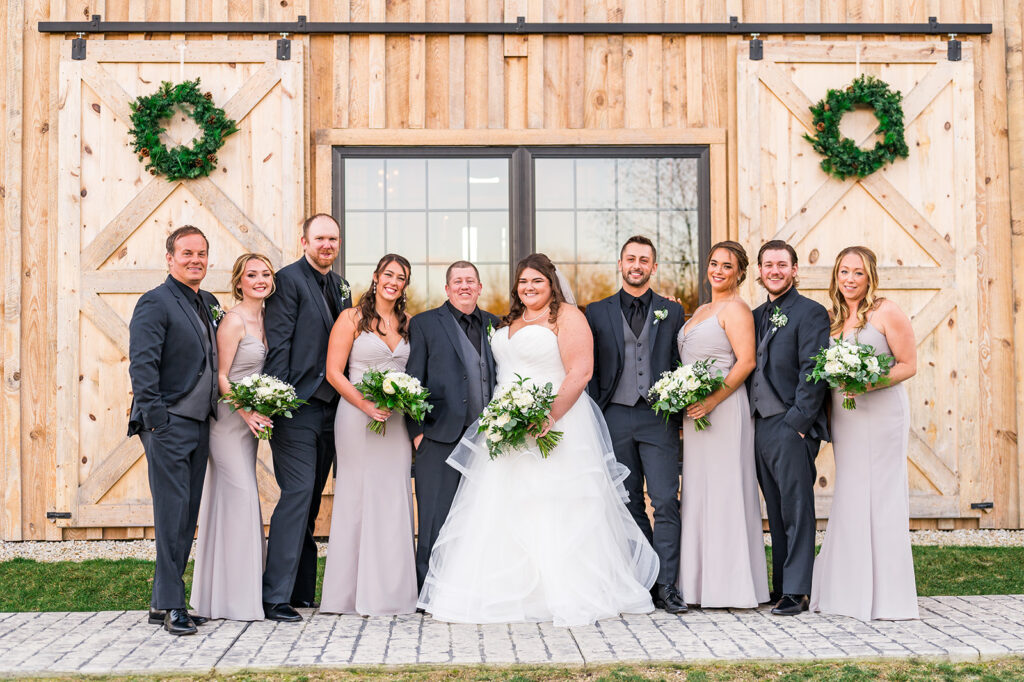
[(605, 318), (790, 350), (298, 326), (165, 352), (436, 358)]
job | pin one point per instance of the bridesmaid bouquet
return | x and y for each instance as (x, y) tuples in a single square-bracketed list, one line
[(850, 367), (518, 411), (395, 391), (683, 386), (264, 394)]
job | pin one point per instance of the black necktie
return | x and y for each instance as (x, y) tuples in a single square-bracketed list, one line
[(472, 329), (766, 322), (326, 289), (204, 317), (636, 317)]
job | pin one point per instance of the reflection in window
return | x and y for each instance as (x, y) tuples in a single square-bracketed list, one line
[(433, 212), (587, 207)]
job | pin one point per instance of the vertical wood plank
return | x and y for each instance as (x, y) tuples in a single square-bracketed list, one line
[(635, 100), (377, 58), (437, 69), (477, 101), (595, 74), (535, 68), (456, 68), (495, 69), (417, 68), (577, 68), (556, 71), (340, 56), (694, 69), (10, 338)]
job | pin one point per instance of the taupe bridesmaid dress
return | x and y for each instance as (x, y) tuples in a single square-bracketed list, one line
[(721, 557), (866, 568), (371, 564), (228, 578)]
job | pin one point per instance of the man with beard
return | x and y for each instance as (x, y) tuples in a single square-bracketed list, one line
[(298, 320), (789, 420), (634, 342), (449, 352)]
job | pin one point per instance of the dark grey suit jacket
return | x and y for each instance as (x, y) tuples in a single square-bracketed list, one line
[(790, 350), (605, 318), (436, 358), (165, 352), (298, 325)]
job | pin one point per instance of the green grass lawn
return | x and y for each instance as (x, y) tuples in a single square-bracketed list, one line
[(104, 585)]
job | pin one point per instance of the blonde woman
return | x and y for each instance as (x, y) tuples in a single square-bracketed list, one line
[(228, 577), (865, 568)]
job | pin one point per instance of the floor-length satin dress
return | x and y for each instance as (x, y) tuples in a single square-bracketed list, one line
[(371, 565), (865, 568), (722, 559), (227, 580)]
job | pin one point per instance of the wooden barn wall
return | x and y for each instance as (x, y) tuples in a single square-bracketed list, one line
[(480, 82)]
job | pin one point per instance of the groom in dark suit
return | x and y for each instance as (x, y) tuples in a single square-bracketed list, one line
[(634, 342), (450, 353), (789, 420), (172, 351), (299, 316)]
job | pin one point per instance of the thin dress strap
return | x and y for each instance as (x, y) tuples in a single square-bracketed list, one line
[(245, 329)]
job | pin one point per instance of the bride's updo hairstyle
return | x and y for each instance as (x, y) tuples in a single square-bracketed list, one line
[(369, 320), (543, 265)]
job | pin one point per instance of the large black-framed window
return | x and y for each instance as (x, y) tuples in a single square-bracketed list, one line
[(494, 205)]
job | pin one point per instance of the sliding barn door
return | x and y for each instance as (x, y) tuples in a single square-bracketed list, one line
[(113, 220), (917, 214)]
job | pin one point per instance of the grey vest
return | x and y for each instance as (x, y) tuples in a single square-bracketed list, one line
[(478, 376), (635, 380), (201, 401), (764, 401)]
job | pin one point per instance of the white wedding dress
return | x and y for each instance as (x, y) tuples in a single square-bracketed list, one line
[(532, 539)]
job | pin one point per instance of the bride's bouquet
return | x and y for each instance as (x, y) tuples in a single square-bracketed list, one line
[(395, 391), (683, 386), (264, 394), (518, 411), (851, 367)]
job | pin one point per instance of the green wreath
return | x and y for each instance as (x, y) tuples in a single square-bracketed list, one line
[(843, 158), (182, 162)]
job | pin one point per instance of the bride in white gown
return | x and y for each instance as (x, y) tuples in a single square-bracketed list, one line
[(532, 539)]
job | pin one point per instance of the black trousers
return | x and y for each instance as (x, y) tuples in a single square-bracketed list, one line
[(176, 456), (303, 452), (786, 472), (436, 483), (649, 448)]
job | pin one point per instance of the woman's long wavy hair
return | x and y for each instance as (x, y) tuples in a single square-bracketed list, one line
[(543, 265), (840, 310), (369, 320)]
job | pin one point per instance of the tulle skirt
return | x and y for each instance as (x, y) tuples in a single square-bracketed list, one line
[(533, 539)]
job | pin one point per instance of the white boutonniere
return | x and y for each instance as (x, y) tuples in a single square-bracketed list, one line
[(660, 314), (345, 290), (778, 319), (216, 312), (490, 331)]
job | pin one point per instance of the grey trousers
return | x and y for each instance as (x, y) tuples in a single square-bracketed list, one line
[(176, 456), (649, 448), (436, 483), (303, 452), (785, 470)]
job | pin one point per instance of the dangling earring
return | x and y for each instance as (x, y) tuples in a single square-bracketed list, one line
[(403, 297), (373, 289)]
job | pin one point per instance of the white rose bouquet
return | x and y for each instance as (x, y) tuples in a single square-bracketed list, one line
[(264, 394), (851, 367), (395, 391), (517, 411), (683, 386)]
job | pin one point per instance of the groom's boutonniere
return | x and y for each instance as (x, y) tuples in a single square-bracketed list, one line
[(216, 312), (778, 319), (345, 290), (660, 314), (490, 331)]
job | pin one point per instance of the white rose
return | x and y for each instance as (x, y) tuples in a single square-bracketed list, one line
[(833, 367), (692, 384), (524, 400), (502, 419), (388, 386), (495, 436), (872, 364)]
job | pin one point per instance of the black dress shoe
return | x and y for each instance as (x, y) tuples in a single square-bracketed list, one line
[(283, 613), (305, 604), (199, 620), (178, 622), (667, 597), (791, 605), (156, 616)]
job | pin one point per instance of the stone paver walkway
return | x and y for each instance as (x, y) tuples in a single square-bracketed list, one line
[(952, 628)]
